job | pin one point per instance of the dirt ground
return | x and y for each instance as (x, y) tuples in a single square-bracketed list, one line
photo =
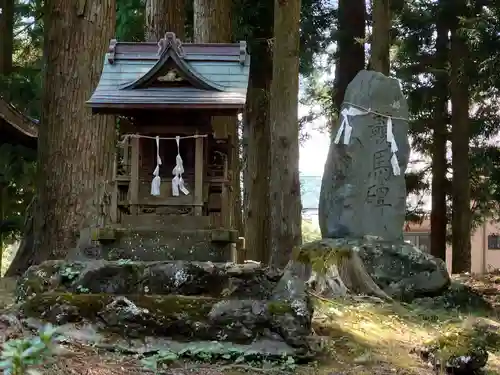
[(353, 337)]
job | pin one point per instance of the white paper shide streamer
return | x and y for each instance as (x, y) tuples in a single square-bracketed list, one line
[(155, 184), (177, 181), (346, 129)]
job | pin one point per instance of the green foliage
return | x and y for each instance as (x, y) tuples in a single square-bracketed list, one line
[(19, 356), (130, 20), (17, 174), (215, 351)]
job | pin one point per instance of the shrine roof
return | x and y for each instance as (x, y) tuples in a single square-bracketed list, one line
[(171, 74), (15, 127)]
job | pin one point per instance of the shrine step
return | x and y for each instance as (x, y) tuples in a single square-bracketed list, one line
[(173, 222), (149, 244), (217, 280), (181, 318), (177, 301)]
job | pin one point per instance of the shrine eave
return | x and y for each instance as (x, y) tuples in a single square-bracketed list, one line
[(17, 128), (173, 75)]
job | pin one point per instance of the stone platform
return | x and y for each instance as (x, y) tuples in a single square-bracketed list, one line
[(151, 244), (181, 301)]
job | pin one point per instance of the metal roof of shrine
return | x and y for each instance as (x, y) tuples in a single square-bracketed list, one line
[(15, 127), (170, 74)]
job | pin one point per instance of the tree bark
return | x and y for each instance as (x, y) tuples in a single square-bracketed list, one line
[(213, 24), (381, 40), (257, 126), (75, 148), (212, 21), (439, 138), (7, 36), (284, 184), (163, 16), (459, 85), (351, 53)]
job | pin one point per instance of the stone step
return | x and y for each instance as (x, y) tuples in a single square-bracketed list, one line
[(159, 222), (150, 244), (217, 280), (180, 318)]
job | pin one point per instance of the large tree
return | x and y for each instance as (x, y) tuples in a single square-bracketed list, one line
[(163, 16), (460, 101), (7, 35), (75, 148), (212, 23), (440, 134), (381, 39), (284, 177), (257, 135), (351, 49)]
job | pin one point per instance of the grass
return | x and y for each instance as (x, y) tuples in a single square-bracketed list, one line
[(369, 338)]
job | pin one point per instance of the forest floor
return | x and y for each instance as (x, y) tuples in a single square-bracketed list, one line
[(354, 336)]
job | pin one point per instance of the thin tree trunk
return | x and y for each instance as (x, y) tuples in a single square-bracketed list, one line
[(461, 257), (284, 185), (75, 149), (381, 40), (7, 36), (439, 137), (351, 52), (213, 24), (163, 16), (257, 226)]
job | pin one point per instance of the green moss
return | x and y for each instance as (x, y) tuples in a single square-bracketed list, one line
[(457, 342), (88, 305), (279, 307), (321, 254)]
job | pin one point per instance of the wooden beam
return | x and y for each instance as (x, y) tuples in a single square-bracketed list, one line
[(198, 176), (114, 195), (134, 177)]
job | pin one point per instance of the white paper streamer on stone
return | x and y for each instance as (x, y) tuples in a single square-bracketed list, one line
[(394, 148), (345, 127), (155, 184), (177, 181)]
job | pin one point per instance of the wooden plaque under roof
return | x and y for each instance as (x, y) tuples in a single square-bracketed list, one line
[(172, 75)]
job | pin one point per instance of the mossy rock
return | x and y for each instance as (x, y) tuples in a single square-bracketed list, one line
[(216, 280), (177, 317), (459, 350)]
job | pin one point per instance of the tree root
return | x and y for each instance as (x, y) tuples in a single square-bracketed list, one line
[(337, 272)]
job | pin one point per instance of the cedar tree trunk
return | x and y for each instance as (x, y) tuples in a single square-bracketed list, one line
[(257, 129), (163, 16), (381, 39), (75, 148), (7, 36), (351, 52), (284, 177), (461, 258), (439, 138)]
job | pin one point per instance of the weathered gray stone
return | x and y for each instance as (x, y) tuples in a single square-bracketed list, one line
[(401, 270), (181, 318), (162, 278), (360, 194)]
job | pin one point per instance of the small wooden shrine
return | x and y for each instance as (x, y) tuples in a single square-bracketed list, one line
[(17, 128), (173, 165)]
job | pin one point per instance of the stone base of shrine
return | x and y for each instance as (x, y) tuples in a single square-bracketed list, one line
[(156, 244), (181, 301)]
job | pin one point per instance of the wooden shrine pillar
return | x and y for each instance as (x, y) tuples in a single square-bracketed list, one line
[(134, 177), (198, 176)]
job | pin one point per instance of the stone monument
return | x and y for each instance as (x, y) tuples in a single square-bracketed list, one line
[(363, 189), (363, 194)]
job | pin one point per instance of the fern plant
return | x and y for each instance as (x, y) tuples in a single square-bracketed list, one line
[(19, 356)]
